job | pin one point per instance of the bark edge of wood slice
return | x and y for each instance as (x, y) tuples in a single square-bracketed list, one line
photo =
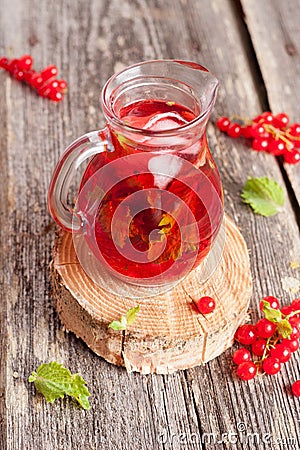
[(167, 334)]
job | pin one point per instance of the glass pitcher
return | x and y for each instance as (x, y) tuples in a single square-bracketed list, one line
[(150, 202)]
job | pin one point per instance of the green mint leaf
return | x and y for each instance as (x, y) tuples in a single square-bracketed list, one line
[(54, 381), (284, 328), (273, 315), (119, 324), (125, 320), (131, 313), (264, 195)]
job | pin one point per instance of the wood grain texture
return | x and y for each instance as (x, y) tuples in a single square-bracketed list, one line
[(275, 32), (89, 41)]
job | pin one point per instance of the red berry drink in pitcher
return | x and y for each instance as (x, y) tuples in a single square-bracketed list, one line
[(163, 210)]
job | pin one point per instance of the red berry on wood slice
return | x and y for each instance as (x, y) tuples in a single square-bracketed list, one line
[(258, 347), (245, 334), (223, 123), (281, 120), (293, 345), (264, 328), (241, 355), (271, 365), (25, 62), (274, 302), (234, 130), (247, 371), (205, 305), (281, 352), (296, 388)]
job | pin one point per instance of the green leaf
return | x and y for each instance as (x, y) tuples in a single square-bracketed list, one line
[(131, 313), (119, 324), (125, 320), (284, 328), (273, 315), (264, 195), (54, 381)]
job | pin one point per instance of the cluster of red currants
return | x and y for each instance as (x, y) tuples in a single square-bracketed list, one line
[(268, 132), (272, 341), (45, 82)]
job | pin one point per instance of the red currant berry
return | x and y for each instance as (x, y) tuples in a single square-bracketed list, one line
[(48, 73), (241, 355), (273, 301), (281, 120), (295, 334), (293, 345), (292, 157), (28, 75), (247, 370), (63, 85), (12, 65), (36, 81), (56, 96), (295, 305), (296, 388), (281, 352), (234, 130), (271, 365), (267, 117), (205, 305), (44, 91), (258, 347), (294, 130), (223, 123), (245, 334), (25, 63), (246, 131), (4, 63), (258, 130), (260, 144), (286, 310), (264, 328), (18, 74), (276, 147)]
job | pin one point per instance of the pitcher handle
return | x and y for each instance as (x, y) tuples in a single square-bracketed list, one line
[(76, 153)]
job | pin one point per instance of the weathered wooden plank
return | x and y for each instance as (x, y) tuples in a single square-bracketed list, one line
[(275, 32), (88, 42)]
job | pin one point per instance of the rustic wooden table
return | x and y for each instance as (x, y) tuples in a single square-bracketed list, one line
[(254, 48)]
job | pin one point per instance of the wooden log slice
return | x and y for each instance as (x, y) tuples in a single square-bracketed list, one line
[(168, 334)]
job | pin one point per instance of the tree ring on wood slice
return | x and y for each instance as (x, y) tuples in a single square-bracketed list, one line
[(167, 334)]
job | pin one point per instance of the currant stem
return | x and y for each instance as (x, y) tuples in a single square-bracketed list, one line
[(294, 313)]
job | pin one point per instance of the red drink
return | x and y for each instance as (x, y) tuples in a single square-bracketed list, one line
[(159, 211)]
